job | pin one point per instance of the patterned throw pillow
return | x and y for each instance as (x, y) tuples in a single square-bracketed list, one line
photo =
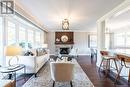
[(40, 51)]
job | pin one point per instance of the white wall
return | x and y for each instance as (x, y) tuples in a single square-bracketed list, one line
[(51, 42), (80, 42)]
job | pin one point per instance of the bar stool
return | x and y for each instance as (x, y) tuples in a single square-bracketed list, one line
[(93, 54), (124, 62), (106, 57)]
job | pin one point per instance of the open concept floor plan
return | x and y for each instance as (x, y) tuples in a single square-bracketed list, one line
[(64, 43)]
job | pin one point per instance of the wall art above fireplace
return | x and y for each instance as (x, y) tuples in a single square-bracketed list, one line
[(64, 38)]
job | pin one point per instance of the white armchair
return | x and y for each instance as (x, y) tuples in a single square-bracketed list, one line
[(62, 72), (74, 52)]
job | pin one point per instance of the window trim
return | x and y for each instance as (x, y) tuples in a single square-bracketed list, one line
[(89, 41)]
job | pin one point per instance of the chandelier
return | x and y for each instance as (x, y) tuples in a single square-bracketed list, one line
[(65, 24)]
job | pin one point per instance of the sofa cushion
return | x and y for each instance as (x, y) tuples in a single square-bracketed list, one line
[(40, 52)]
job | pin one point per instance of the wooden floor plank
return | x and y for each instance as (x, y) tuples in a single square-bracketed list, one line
[(97, 78)]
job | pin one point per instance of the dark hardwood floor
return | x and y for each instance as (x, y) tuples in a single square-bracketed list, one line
[(91, 70), (98, 78)]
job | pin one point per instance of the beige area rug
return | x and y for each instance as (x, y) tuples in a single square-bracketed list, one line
[(43, 78)]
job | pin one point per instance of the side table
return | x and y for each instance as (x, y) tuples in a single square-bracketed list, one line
[(13, 70)]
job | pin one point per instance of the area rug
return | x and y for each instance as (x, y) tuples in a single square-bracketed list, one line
[(43, 78)]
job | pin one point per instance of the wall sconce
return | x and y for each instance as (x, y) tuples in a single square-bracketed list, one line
[(107, 30), (65, 24)]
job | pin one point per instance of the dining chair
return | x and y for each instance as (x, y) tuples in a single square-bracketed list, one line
[(93, 54)]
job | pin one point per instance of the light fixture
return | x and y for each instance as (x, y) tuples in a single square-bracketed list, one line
[(65, 24), (107, 30), (13, 51)]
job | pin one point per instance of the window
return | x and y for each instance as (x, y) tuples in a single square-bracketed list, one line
[(43, 38), (92, 41), (122, 42), (11, 33), (31, 36), (128, 39), (119, 40), (38, 37), (1, 41), (17, 30), (22, 34)]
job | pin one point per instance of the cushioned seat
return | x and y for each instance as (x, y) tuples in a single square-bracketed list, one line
[(62, 72), (108, 58), (7, 83)]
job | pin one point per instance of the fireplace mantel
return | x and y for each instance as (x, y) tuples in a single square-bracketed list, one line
[(62, 45)]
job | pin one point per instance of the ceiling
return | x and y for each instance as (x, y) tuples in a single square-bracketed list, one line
[(119, 20), (82, 14)]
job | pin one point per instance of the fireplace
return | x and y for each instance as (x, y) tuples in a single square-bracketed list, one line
[(64, 50)]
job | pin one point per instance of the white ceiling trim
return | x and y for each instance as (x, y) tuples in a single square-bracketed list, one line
[(117, 9)]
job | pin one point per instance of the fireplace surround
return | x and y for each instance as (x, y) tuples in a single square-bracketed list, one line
[(63, 49), (64, 42)]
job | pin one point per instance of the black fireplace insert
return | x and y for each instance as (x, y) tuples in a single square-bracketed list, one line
[(64, 50)]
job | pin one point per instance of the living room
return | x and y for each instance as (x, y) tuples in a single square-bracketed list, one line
[(62, 43)]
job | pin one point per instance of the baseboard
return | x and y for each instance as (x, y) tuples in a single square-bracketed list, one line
[(84, 54), (78, 54), (52, 54)]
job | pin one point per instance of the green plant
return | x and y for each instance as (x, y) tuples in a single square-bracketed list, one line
[(22, 44)]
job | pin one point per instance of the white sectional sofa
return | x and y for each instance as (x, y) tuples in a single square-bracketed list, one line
[(32, 63)]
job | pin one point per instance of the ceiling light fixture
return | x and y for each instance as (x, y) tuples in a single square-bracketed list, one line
[(65, 24)]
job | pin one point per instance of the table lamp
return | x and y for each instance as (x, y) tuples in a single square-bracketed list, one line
[(13, 51), (44, 45)]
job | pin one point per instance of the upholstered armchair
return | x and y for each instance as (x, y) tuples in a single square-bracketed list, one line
[(74, 52), (62, 72)]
